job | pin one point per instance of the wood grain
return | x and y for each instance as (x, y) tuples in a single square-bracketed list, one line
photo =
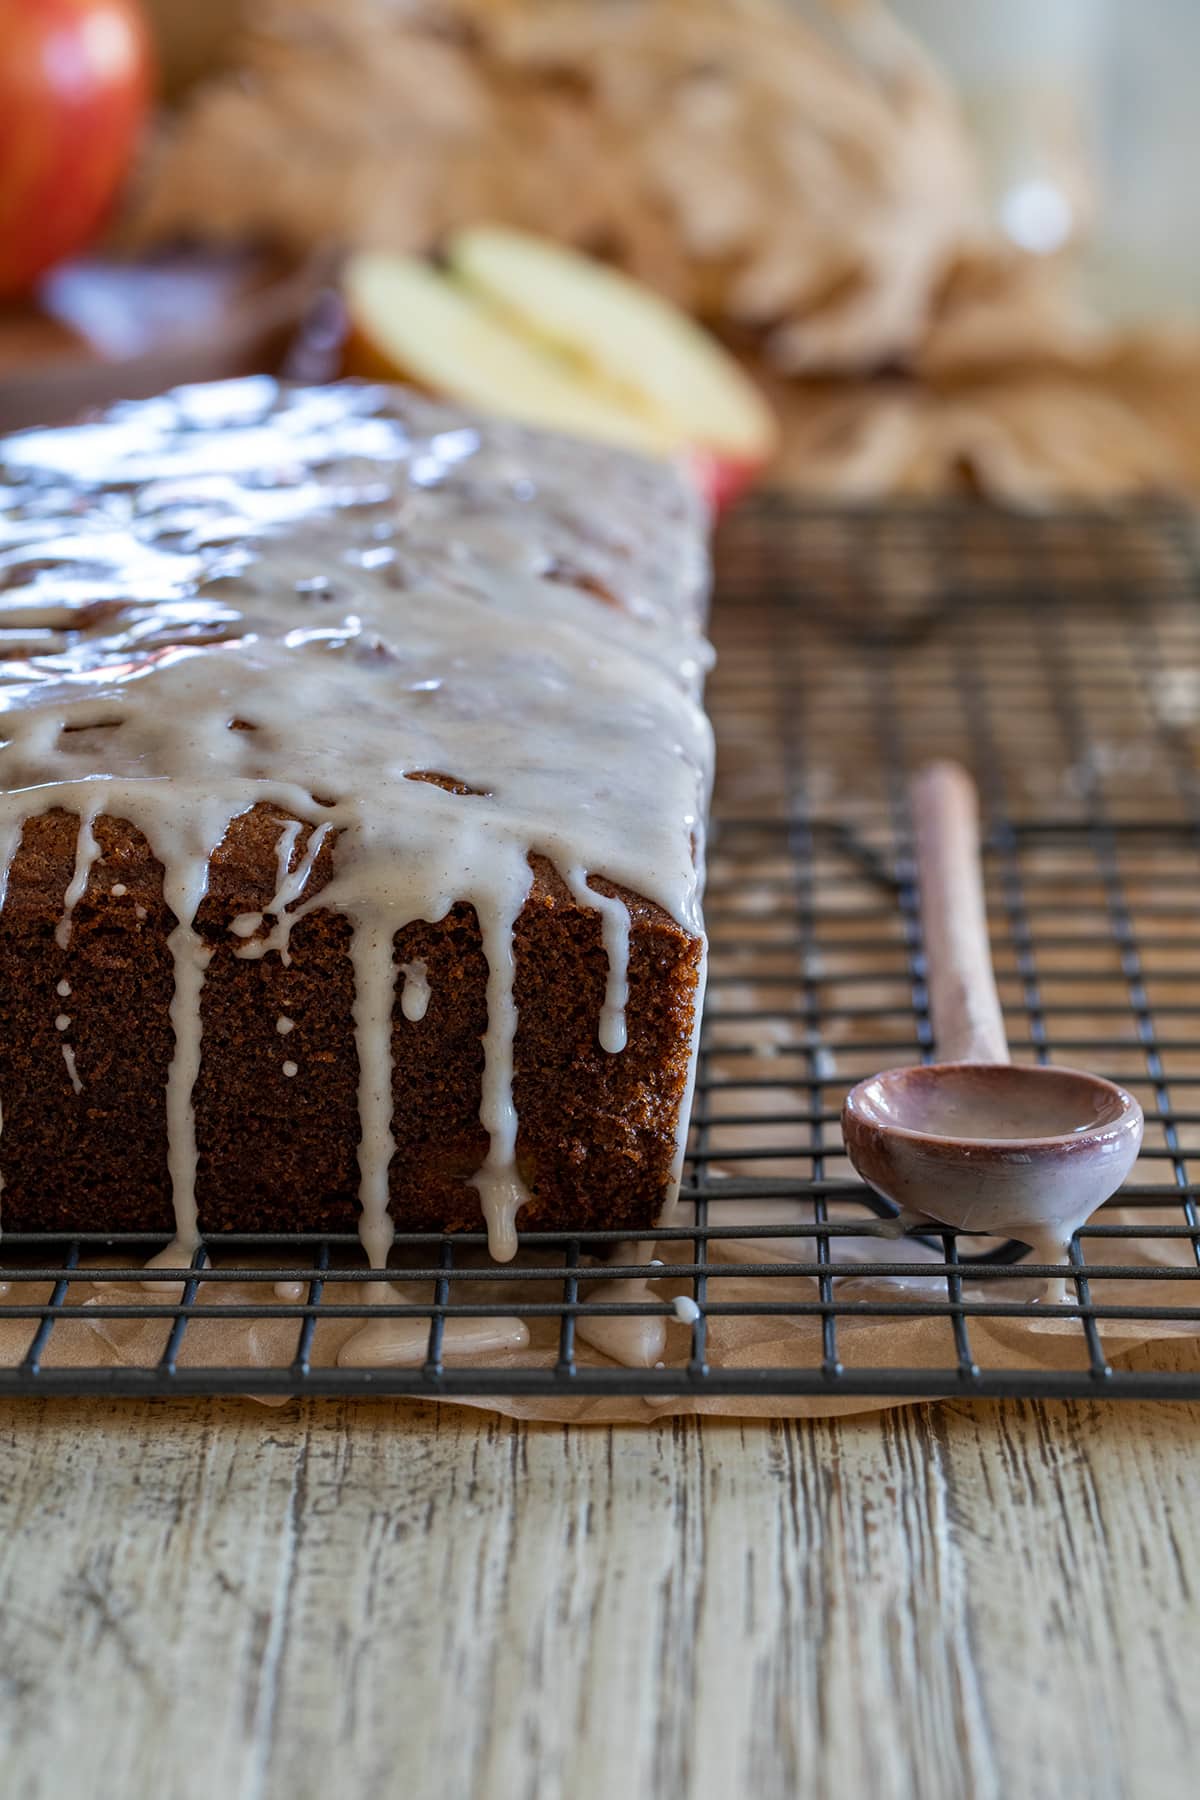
[(207, 1598)]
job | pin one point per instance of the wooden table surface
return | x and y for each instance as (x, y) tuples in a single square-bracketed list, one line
[(366, 1599), (371, 1599)]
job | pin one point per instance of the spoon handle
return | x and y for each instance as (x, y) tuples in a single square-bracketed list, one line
[(968, 1025)]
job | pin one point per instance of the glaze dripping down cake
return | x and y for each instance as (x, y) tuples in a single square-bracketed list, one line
[(353, 779)]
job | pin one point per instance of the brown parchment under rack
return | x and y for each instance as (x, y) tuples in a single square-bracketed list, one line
[(1058, 656)]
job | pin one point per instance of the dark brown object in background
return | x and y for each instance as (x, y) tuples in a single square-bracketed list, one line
[(248, 313), (192, 41)]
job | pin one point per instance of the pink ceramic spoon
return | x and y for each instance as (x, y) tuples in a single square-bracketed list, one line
[(974, 1141)]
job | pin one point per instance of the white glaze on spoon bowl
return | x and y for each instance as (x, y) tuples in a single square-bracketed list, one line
[(976, 1143)]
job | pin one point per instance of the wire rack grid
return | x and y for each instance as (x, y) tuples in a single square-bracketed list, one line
[(1059, 657)]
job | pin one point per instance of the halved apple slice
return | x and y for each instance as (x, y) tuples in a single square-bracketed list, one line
[(413, 322), (623, 335)]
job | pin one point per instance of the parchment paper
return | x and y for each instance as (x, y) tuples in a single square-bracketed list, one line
[(1050, 1343)]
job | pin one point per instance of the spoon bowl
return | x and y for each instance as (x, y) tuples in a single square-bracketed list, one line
[(994, 1149)]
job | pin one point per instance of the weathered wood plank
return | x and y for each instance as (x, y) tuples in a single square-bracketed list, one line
[(209, 1598)]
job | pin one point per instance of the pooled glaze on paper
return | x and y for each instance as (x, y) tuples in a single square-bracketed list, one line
[(242, 594), (403, 1343), (635, 1339)]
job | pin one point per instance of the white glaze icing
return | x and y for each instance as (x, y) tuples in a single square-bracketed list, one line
[(175, 1255), (614, 918), (87, 850), (238, 594), (637, 1341), (404, 1343), (414, 991), (290, 884)]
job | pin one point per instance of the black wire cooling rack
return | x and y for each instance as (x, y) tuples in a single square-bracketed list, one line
[(1059, 656)]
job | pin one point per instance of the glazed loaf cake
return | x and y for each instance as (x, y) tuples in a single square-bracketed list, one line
[(354, 777)]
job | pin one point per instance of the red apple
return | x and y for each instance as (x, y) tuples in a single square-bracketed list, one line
[(721, 479), (517, 325), (75, 83)]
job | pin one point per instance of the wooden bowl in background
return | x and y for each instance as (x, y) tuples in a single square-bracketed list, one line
[(107, 329)]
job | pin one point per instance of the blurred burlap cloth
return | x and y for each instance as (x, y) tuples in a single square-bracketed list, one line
[(799, 177)]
